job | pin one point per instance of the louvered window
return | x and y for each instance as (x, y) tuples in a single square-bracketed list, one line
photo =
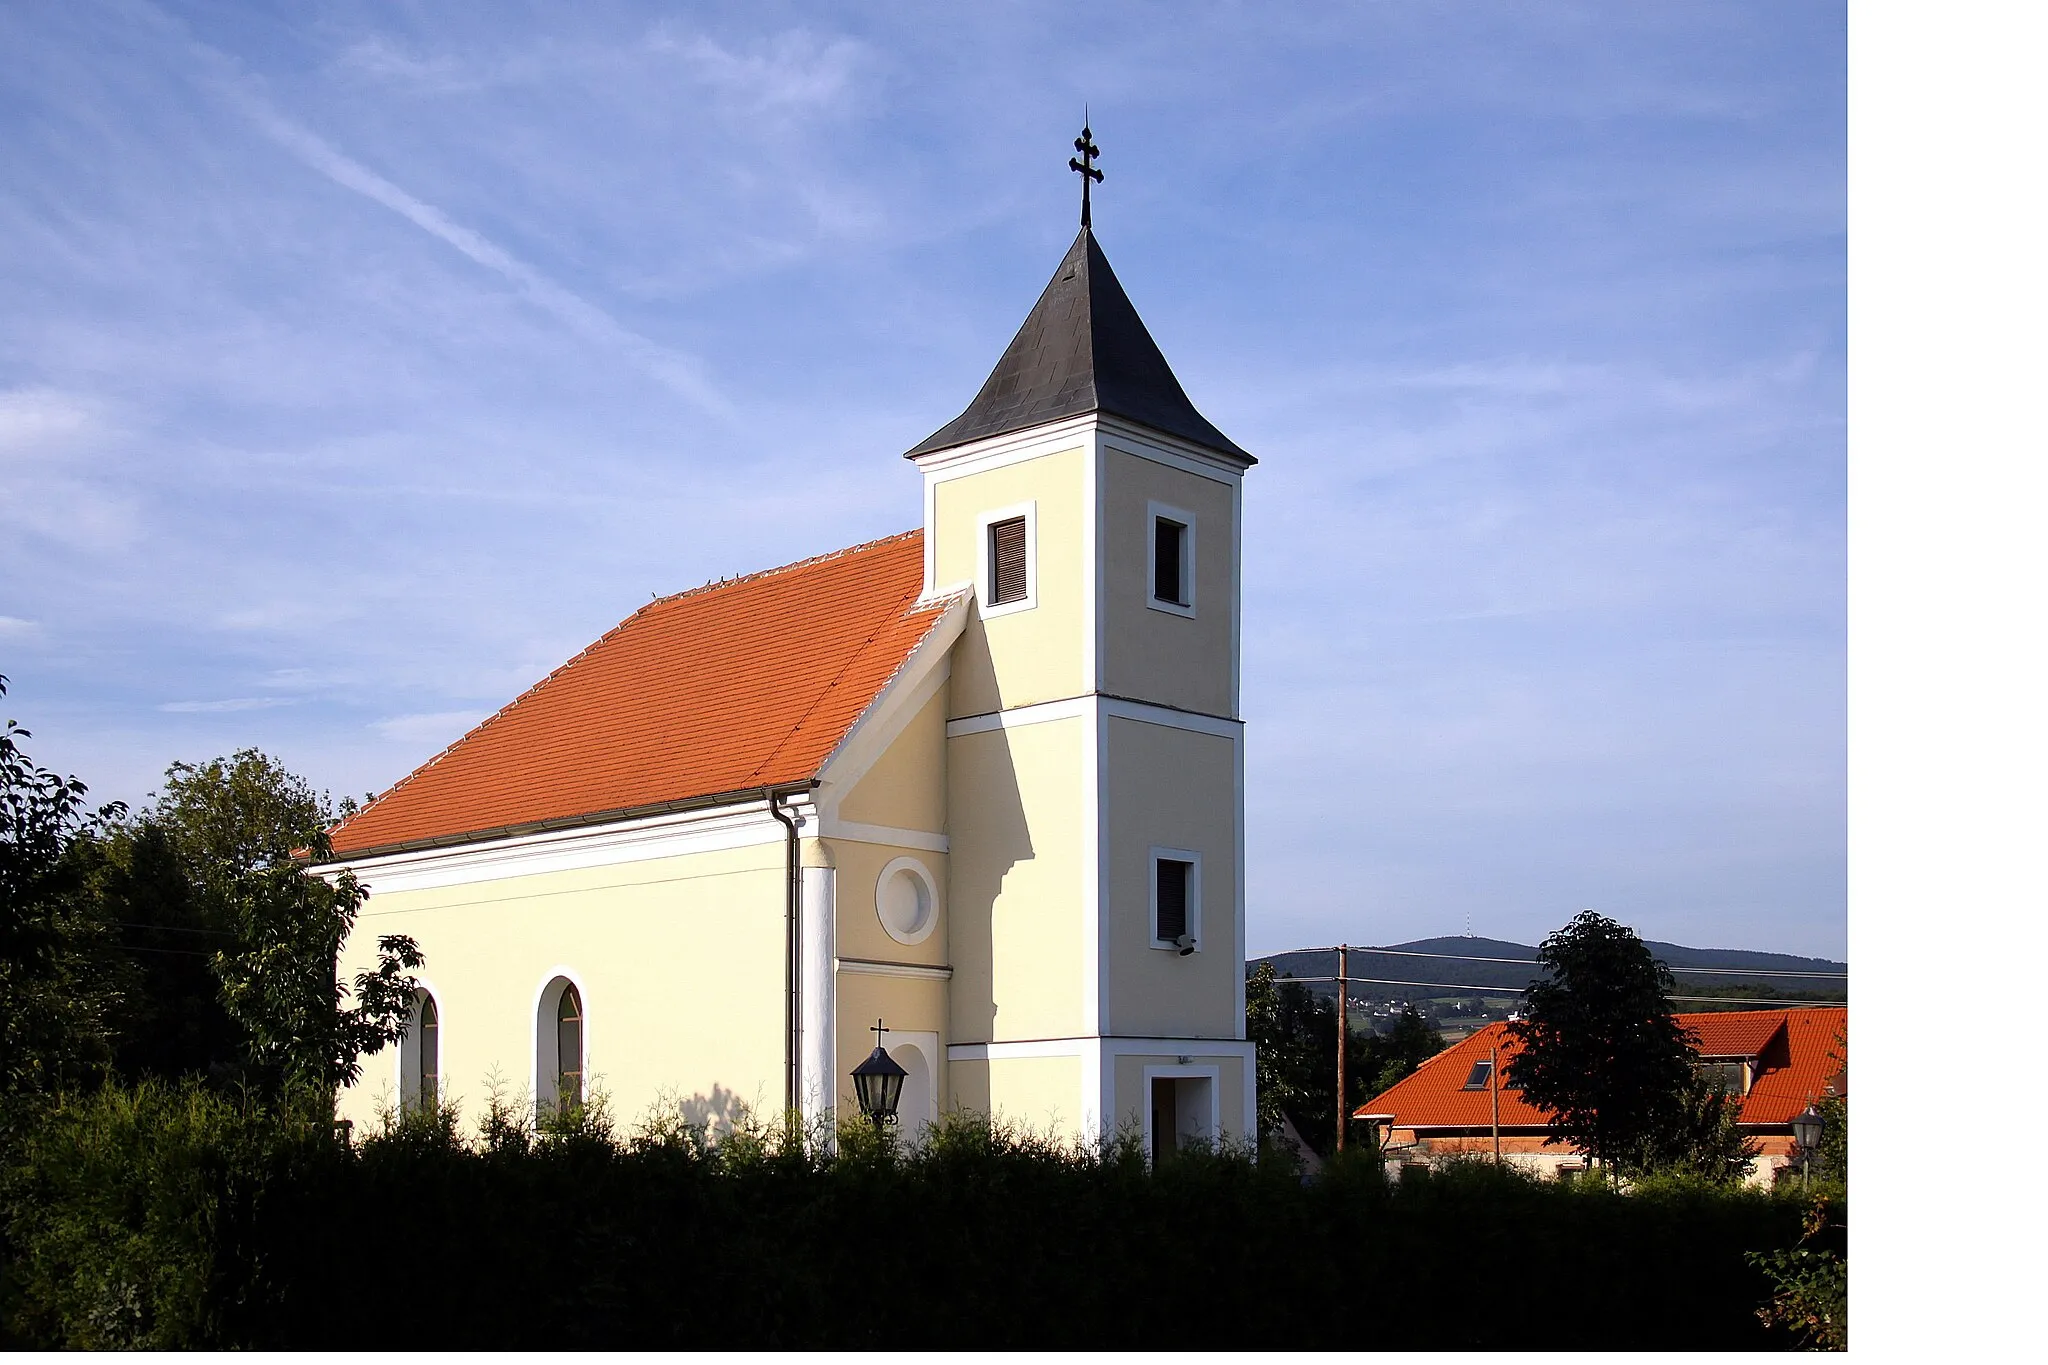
[(1006, 562), (1172, 897), (1169, 561)]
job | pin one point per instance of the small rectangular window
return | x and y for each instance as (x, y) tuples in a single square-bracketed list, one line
[(1482, 1075), (1172, 898), (1006, 562), (1171, 569), (1169, 563), (1732, 1077)]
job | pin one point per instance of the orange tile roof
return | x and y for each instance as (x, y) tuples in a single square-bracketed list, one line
[(1738, 1033), (736, 686), (1795, 1068), (1816, 1059)]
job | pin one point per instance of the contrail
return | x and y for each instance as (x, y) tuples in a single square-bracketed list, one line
[(680, 373)]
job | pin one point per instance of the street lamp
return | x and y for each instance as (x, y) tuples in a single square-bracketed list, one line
[(878, 1083), (1807, 1127)]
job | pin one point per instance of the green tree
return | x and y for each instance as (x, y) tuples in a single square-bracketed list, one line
[(171, 1022), (1274, 1018), (242, 827), (55, 991), (1700, 1134), (1598, 1045), (1296, 1034)]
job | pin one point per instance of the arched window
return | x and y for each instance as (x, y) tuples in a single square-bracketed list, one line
[(430, 1052), (561, 1047), (419, 1056), (569, 1049)]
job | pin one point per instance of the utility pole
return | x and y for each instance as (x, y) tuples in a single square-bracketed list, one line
[(1343, 1032), (1493, 1084)]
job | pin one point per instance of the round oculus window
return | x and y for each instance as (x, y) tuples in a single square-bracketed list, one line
[(904, 901)]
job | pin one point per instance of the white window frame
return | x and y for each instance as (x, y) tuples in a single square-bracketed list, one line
[(984, 560), (546, 1053), (1154, 512), (916, 868), (1208, 1071), (1194, 861), (409, 1051)]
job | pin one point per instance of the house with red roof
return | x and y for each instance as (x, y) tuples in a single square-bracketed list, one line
[(978, 785), (1463, 1102)]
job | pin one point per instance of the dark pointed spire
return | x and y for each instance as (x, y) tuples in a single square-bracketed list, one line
[(1083, 349)]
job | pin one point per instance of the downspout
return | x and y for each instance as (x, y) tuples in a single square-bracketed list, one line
[(792, 966)]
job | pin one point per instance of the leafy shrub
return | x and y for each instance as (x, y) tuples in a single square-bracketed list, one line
[(163, 1218)]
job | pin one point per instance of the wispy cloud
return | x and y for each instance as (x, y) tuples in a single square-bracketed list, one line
[(16, 628), (683, 374), (42, 422), (789, 72), (224, 704), (431, 727)]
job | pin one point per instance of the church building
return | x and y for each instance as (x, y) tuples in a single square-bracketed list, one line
[(982, 781)]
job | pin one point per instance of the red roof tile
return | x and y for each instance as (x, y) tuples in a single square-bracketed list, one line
[(1745, 1033), (1794, 1070), (1816, 1058), (739, 685)]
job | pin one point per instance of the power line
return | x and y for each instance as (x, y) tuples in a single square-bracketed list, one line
[(1532, 962), (1780, 1002)]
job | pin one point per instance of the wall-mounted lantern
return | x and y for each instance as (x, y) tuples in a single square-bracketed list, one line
[(878, 1083)]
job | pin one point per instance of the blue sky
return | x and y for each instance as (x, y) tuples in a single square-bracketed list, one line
[(361, 363)]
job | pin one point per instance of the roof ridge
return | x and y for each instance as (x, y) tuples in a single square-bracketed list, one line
[(780, 568)]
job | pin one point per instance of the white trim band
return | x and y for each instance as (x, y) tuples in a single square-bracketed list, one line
[(860, 966)]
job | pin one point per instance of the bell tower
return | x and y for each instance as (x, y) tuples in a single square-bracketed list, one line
[(1095, 753)]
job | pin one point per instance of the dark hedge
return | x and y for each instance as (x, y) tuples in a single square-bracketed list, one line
[(172, 1218)]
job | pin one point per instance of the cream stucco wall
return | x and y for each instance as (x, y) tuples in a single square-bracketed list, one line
[(1171, 788), (679, 961), (1156, 655), (907, 1006), (1020, 657), (1016, 927), (906, 787), (858, 928), (1041, 1094), (1132, 1094)]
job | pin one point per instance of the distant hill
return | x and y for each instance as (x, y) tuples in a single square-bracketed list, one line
[(1447, 973)]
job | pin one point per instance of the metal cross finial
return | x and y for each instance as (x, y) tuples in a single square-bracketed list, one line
[(1085, 145), (877, 1029)]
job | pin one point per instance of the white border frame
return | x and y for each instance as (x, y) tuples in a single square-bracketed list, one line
[(540, 995), (1156, 856), (984, 569), (917, 869), (409, 1044), (927, 1045), (1155, 512), (1198, 1071)]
